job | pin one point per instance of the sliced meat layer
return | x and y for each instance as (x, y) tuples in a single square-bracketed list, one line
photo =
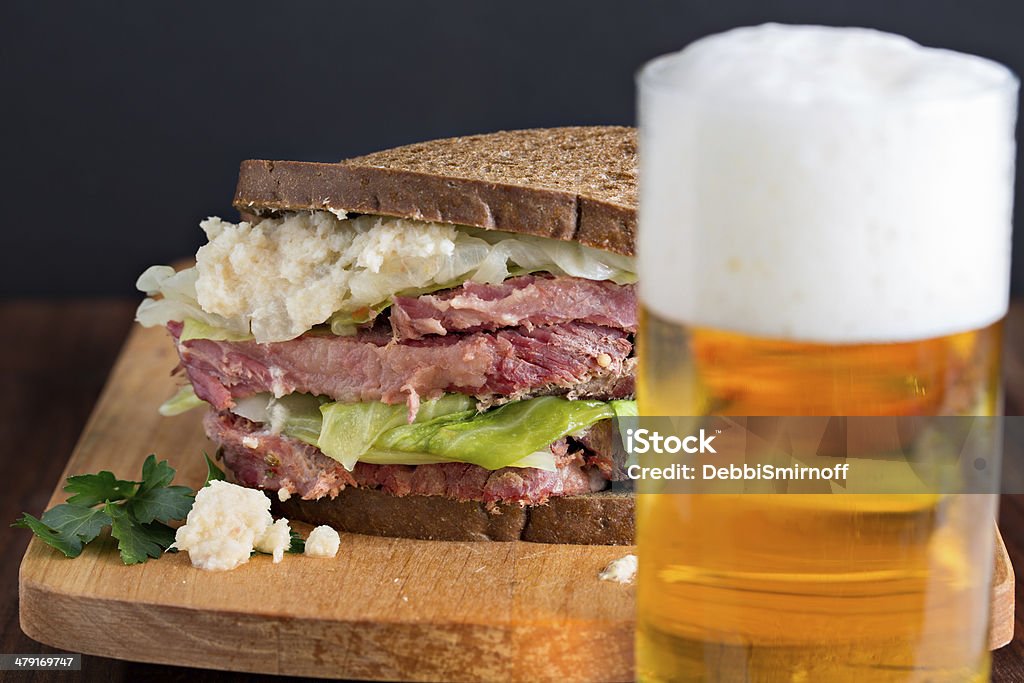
[(599, 442), (260, 459), (577, 359), (526, 301)]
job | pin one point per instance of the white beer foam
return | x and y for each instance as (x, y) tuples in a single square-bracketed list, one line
[(826, 184)]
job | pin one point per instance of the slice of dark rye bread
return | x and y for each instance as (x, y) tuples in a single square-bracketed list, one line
[(564, 183), (605, 518), (576, 183)]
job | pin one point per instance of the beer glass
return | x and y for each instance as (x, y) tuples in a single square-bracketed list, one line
[(825, 220)]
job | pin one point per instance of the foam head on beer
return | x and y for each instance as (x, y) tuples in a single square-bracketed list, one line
[(826, 184), (824, 230)]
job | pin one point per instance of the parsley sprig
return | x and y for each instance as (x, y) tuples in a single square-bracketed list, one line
[(137, 512), (298, 544)]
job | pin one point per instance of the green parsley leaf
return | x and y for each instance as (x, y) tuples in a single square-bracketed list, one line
[(161, 504), (135, 511), (213, 473), (297, 545), (92, 489), (66, 527), (85, 523), (69, 545), (155, 474), (137, 541)]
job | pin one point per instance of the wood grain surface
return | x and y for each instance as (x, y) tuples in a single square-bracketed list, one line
[(41, 366), (383, 609)]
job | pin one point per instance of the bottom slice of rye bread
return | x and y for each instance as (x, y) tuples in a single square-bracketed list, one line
[(605, 518)]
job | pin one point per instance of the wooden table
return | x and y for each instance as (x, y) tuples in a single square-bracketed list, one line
[(55, 357)]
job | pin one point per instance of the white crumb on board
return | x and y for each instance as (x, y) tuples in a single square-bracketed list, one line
[(323, 541), (275, 540), (622, 570), (226, 523)]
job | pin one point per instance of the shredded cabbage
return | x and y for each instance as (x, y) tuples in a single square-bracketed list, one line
[(178, 301), (297, 415), (349, 430), (195, 329), (447, 429), (624, 408), (279, 277), (500, 436), (531, 254), (183, 401), (540, 460)]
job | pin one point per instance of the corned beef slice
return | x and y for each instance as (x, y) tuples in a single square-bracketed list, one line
[(526, 301), (577, 359), (277, 462)]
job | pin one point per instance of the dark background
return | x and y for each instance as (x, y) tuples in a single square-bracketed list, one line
[(123, 122)]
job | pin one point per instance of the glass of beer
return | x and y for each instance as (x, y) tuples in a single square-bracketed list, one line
[(825, 220)]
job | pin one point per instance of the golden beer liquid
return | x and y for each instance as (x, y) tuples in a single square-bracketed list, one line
[(795, 588)]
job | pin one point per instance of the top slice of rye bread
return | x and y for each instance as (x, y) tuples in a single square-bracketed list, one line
[(575, 183)]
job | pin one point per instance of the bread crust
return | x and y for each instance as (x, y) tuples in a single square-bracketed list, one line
[(576, 184), (605, 518)]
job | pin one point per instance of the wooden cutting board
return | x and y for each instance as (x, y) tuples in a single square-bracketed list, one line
[(391, 609)]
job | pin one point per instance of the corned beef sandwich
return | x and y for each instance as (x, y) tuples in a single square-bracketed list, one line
[(429, 341)]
